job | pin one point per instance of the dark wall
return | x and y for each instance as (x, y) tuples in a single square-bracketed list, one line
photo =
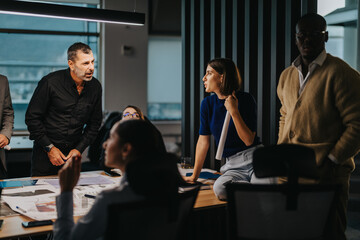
[(258, 35), (165, 17)]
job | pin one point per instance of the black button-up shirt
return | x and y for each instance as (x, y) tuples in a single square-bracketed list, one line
[(58, 114)]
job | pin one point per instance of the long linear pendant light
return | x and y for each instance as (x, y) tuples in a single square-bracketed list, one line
[(71, 12)]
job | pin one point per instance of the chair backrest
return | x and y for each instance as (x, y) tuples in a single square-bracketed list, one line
[(260, 212), (187, 198), (150, 219), (140, 220), (286, 160), (95, 148)]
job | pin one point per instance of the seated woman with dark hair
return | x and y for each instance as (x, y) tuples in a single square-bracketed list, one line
[(133, 148), (132, 112)]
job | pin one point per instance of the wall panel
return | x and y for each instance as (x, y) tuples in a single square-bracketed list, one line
[(258, 35)]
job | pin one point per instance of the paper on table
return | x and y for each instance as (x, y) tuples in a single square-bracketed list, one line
[(42, 207), (83, 181), (38, 207), (223, 135)]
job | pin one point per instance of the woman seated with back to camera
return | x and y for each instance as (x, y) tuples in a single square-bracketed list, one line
[(133, 148)]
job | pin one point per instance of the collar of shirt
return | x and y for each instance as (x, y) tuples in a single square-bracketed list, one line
[(312, 66), (70, 81)]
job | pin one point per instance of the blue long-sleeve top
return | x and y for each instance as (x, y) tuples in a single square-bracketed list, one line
[(212, 116)]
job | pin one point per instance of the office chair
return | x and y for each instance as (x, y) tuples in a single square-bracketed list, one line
[(283, 211), (150, 219)]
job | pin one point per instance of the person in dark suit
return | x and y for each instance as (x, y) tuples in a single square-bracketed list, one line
[(6, 121)]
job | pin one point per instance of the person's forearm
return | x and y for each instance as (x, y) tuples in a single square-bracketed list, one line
[(92, 127), (65, 221), (347, 102), (202, 147), (90, 132), (244, 133), (348, 144), (88, 137)]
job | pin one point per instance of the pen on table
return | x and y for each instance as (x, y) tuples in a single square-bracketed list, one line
[(17, 207), (89, 196)]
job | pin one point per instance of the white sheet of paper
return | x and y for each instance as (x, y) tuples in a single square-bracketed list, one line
[(223, 136), (43, 206)]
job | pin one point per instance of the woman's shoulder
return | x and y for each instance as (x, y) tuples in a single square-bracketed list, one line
[(209, 100), (211, 97)]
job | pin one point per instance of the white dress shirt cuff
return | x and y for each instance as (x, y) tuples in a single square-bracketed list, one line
[(332, 158)]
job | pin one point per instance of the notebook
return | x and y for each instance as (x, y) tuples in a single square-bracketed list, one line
[(206, 175)]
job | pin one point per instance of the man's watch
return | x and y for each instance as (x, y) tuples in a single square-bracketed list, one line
[(49, 147)]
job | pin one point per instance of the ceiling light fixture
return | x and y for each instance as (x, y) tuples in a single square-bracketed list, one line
[(71, 12)]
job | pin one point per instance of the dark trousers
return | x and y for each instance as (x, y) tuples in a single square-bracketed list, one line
[(40, 162), (336, 174), (3, 172)]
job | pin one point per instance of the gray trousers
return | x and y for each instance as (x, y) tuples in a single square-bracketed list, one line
[(238, 168)]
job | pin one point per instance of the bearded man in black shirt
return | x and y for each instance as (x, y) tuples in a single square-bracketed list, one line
[(64, 113)]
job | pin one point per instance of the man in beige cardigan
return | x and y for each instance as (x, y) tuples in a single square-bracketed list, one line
[(320, 98), (6, 121)]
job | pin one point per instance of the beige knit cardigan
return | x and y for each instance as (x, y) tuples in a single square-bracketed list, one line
[(326, 115)]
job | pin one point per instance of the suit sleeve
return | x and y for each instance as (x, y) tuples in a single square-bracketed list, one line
[(7, 121)]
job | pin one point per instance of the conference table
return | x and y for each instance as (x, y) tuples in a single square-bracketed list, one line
[(12, 226)]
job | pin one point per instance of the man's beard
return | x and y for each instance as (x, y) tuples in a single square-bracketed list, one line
[(82, 75)]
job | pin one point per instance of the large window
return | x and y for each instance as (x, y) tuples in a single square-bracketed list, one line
[(341, 17), (32, 47), (164, 72)]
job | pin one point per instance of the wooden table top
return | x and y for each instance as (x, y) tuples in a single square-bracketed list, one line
[(12, 225)]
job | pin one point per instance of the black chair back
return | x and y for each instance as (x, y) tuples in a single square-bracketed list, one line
[(151, 218), (186, 205), (260, 212), (140, 220), (285, 160), (285, 211)]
